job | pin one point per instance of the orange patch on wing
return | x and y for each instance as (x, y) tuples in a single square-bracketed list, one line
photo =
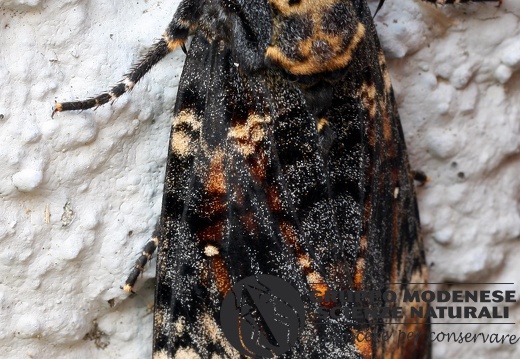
[(258, 166), (180, 143), (367, 94), (221, 274), (273, 199), (248, 220), (390, 151), (359, 271), (386, 76), (214, 205), (248, 136), (290, 236), (214, 232), (184, 125), (314, 279), (363, 346), (318, 285), (216, 181), (387, 128)]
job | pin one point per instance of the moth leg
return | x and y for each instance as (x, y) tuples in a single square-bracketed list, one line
[(175, 36), (146, 255), (420, 177)]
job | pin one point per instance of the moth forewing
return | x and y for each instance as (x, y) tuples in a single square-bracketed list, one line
[(286, 159)]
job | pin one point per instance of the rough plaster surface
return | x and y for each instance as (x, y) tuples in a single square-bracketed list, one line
[(80, 193)]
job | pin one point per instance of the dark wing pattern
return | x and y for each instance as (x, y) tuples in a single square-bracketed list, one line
[(286, 158)]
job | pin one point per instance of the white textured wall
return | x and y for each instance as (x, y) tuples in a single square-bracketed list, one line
[(457, 82)]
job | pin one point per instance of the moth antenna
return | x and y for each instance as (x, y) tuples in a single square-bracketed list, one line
[(379, 6)]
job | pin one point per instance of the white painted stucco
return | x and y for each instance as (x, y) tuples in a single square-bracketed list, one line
[(455, 73)]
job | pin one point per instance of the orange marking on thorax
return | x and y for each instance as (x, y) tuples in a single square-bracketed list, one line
[(303, 7), (312, 64), (173, 44)]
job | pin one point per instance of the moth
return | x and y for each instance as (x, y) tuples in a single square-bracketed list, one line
[(286, 158)]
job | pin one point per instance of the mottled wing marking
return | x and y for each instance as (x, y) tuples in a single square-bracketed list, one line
[(185, 132), (312, 37), (290, 177), (247, 136), (314, 278)]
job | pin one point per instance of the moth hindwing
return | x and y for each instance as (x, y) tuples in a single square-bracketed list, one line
[(286, 163)]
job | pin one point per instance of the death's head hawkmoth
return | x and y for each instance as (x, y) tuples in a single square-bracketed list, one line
[(286, 159)]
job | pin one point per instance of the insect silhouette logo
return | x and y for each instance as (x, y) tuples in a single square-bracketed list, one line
[(269, 313)]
